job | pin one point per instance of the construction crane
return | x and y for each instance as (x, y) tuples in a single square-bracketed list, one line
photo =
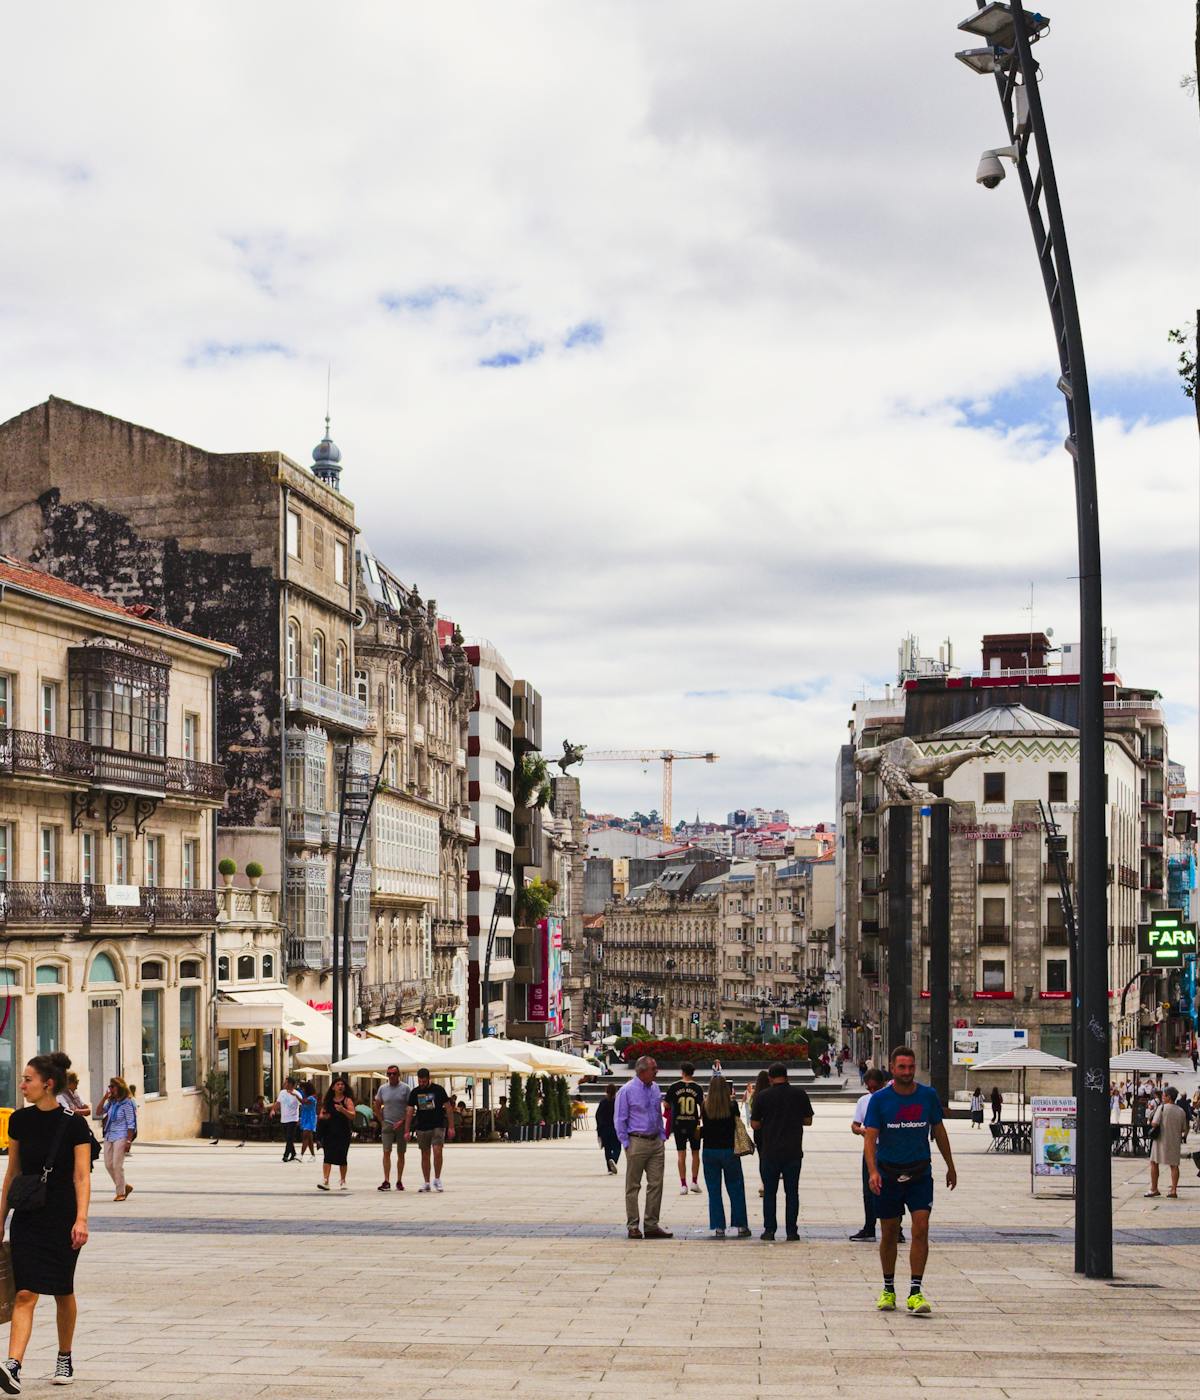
[(668, 759)]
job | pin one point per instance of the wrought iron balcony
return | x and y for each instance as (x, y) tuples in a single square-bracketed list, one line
[(47, 902), (323, 702), (126, 771), (26, 754), (994, 872), (1050, 872), (993, 935), (186, 777), (1055, 936)]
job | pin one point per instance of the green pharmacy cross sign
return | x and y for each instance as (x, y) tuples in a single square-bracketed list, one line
[(1167, 939), (444, 1023)]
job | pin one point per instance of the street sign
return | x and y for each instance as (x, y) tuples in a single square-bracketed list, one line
[(626, 1026), (695, 1018), (814, 1020), (1167, 939)]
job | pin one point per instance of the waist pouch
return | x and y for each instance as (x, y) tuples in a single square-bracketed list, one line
[(904, 1171)]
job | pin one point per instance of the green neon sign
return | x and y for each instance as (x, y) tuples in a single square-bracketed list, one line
[(1167, 939)]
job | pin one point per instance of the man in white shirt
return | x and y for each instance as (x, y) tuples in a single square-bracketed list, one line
[(287, 1105), (874, 1080)]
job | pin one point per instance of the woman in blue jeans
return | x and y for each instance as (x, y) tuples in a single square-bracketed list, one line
[(719, 1160)]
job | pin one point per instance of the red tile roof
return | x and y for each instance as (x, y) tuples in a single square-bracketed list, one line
[(19, 574)]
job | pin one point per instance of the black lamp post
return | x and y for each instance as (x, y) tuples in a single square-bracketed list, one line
[(1009, 32)]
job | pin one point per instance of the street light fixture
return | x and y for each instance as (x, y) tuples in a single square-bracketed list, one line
[(1011, 32)]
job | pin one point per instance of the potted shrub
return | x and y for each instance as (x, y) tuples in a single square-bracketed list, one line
[(214, 1091), (228, 869), (517, 1117), (565, 1111), (253, 873), (533, 1108)]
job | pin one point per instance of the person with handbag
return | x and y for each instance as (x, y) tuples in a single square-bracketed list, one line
[(723, 1147), (120, 1129), (337, 1128), (48, 1189), (1168, 1130)]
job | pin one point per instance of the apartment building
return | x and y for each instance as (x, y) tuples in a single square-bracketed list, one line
[(768, 963), (108, 793)]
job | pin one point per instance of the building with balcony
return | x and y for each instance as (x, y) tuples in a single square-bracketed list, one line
[(764, 955), (491, 887), (109, 791), (1010, 961), (412, 671)]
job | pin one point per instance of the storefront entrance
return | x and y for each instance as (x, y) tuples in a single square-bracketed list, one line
[(104, 1043)]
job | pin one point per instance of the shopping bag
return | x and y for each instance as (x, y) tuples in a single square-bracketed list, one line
[(7, 1291)]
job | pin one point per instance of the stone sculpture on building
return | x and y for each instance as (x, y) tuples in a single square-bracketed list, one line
[(901, 764)]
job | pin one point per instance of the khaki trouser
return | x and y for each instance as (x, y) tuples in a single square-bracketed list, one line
[(644, 1155), (114, 1161)]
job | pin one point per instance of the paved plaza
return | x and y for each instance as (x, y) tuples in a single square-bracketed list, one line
[(228, 1273)]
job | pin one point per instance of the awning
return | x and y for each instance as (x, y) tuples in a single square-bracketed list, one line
[(274, 1009)]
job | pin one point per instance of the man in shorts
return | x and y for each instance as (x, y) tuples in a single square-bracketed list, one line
[(390, 1105), (898, 1124), (430, 1117), (684, 1098)]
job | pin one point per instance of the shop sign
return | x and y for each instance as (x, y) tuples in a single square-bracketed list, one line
[(97, 1002), (965, 831), (1167, 939)]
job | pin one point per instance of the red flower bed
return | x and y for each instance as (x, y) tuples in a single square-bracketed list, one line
[(672, 1051)]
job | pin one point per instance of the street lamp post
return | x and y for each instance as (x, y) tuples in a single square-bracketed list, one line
[(1009, 32)]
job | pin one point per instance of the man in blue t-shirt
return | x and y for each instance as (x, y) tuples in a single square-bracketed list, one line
[(899, 1121)]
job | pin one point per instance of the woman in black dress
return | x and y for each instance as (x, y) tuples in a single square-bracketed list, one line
[(46, 1242), (337, 1126)]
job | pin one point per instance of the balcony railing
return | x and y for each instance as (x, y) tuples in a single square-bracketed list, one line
[(870, 803), (993, 935), (994, 872), (394, 722), (118, 768), (323, 702), (449, 934), (186, 777), (45, 902), (305, 826), (870, 845), (1050, 872), (871, 884), (311, 953), (26, 754), (1056, 936)]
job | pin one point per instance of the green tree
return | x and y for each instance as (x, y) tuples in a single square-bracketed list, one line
[(516, 1100), (532, 785)]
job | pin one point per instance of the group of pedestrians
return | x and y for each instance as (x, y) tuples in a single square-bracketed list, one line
[(896, 1120)]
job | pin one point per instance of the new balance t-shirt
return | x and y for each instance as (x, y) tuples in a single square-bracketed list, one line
[(684, 1098), (904, 1123)]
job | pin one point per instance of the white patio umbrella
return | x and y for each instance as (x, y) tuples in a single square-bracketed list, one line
[(1144, 1062), (543, 1059), (1021, 1061), (374, 1057)]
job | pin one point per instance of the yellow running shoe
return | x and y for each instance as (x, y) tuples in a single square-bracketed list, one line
[(918, 1305), (887, 1300)]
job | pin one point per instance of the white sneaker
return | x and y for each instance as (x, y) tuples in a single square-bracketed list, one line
[(695, 1188), (426, 1187), (683, 1188), (437, 1185), (342, 1187)]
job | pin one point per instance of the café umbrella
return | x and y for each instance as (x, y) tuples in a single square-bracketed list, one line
[(1021, 1061)]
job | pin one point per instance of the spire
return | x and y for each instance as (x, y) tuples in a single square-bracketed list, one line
[(327, 456)]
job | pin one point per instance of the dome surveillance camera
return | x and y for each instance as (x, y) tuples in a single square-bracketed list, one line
[(990, 172)]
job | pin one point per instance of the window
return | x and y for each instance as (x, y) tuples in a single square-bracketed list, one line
[(10, 1039), (191, 863), (1058, 787), (339, 560), (341, 663), (223, 969), (190, 967), (503, 734), (504, 861), (6, 692), (1056, 1040), (152, 1042), (6, 852), (362, 686), (189, 1024), (391, 690), (49, 1023), (993, 787), (154, 857), (1054, 914), (993, 977), (152, 972), (504, 819), (293, 534), (994, 913), (994, 853), (191, 736), (318, 657), (503, 777), (103, 969), (49, 714), (268, 967), (118, 698), (120, 858), (504, 692), (48, 855), (1056, 975), (293, 650), (245, 968)]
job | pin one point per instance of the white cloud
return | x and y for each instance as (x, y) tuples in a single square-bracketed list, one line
[(763, 475)]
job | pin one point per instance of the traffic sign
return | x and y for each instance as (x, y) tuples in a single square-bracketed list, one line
[(695, 1018)]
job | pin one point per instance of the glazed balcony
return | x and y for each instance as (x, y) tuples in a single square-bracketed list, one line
[(322, 702), (50, 903)]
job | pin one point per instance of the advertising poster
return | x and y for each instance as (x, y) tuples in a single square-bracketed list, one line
[(626, 1026), (1053, 1136), (545, 991), (973, 1044)]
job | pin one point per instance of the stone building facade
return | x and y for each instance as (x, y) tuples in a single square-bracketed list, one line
[(766, 950), (412, 672), (108, 795)]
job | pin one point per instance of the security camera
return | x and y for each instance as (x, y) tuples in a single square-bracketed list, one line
[(990, 172)]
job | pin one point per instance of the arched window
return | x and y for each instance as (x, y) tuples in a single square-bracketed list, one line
[(48, 975), (268, 966), (245, 967), (103, 969), (189, 968), (152, 972), (223, 969), (293, 649), (318, 658), (340, 663)]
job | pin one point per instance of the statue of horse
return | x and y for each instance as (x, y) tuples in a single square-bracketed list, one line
[(572, 753)]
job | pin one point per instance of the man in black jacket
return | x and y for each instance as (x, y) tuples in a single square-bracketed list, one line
[(605, 1130), (780, 1113)]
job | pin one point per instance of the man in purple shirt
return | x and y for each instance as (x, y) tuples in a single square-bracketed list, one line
[(639, 1125)]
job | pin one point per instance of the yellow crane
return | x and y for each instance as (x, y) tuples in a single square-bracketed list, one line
[(668, 759)]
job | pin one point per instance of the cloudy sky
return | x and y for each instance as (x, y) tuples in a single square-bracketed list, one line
[(675, 349)]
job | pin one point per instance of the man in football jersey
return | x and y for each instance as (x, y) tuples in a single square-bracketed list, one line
[(684, 1097)]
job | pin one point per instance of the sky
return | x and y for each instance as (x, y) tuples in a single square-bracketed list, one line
[(674, 348)]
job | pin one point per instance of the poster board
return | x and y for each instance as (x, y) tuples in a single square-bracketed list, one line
[(1053, 1145), (972, 1045)]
